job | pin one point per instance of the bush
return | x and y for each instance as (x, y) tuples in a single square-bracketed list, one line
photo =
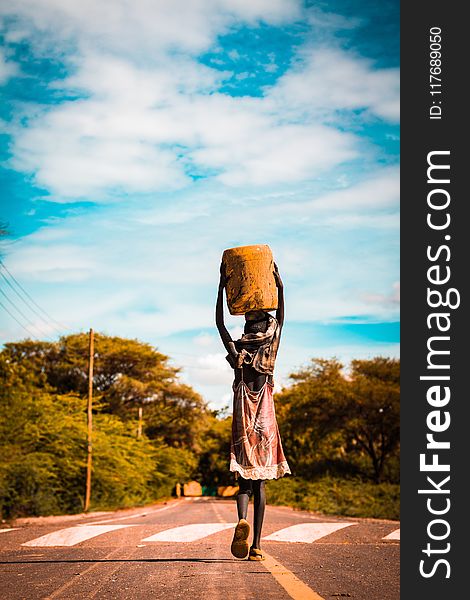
[(43, 456), (29, 486), (337, 496)]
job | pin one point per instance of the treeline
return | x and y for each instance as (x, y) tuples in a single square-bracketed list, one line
[(341, 434), (332, 424), (340, 422), (332, 421), (43, 425)]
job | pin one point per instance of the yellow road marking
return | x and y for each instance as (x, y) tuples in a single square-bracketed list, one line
[(296, 588)]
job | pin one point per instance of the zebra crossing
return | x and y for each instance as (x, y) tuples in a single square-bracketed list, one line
[(71, 536), (394, 535), (6, 530), (188, 533), (306, 533)]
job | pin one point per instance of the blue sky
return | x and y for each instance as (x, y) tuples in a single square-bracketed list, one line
[(142, 139)]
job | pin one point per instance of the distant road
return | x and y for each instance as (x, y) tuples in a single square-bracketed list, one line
[(182, 550)]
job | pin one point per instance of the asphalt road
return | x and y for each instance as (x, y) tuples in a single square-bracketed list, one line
[(188, 556)]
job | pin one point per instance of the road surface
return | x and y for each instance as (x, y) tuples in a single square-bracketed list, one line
[(181, 549)]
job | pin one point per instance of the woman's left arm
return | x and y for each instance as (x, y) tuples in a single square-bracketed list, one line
[(280, 296)]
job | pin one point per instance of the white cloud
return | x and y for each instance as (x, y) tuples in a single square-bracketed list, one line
[(139, 130), (80, 167), (204, 339), (59, 262), (392, 298), (212, 369), (147, 115), (163, 278), (372, 201), (329, 79), (147, 119), (272, 153), (380, 190), (141, 27), (376, 222), (7, 68), (236, 332)]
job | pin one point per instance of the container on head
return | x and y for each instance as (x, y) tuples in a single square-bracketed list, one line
[(250, 281)]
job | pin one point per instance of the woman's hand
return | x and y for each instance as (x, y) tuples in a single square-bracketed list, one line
[(277, 277), (223, 276)]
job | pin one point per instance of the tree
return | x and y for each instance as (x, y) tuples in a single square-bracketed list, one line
[(43, 425), (311, 415), (38, 473), (214, 460), (178, 417), (329, 419), (374, 423), (127, 374)]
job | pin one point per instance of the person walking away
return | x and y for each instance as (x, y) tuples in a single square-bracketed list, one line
[(256, 452)]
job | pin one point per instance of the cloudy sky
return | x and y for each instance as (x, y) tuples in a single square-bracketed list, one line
[(140, 139)]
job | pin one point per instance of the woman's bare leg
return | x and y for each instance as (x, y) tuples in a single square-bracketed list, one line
[(259, 496), (243, 497)]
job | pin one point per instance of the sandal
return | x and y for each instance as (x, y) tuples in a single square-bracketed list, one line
[(256, 554), (239, 547)]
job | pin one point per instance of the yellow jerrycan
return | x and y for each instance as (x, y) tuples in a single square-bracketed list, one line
[(250, 280)]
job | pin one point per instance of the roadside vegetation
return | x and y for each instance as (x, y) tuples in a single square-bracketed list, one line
[(340, 433)]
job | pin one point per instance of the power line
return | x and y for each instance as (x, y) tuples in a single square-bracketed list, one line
[(20, 324), (27, 303), (49, 318), (24, 301), (23, 315)]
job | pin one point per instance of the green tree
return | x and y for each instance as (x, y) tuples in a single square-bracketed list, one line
[(330, 420), (38, 473), (311, 415), (127, 374), (43, 425), (214, 459), (373, 425)]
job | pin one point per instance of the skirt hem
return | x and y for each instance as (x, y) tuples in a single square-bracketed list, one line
[(267, 472)]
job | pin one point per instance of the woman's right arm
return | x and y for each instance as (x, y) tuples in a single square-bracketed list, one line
[(219, 316)]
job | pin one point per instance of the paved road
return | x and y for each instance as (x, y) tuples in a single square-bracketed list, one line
[(182, 550)]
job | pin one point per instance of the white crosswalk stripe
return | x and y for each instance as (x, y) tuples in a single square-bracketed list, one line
[(73, 535), (302, 532), (8, 529), (188, 533), (395, 535), (305, 532)]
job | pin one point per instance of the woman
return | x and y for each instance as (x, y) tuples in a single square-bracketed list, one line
[(256, 451)]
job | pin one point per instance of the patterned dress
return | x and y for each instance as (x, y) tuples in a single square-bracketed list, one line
[(256, 450)]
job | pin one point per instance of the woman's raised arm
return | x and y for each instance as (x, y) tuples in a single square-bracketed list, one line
[(219, 316), (280, 297)]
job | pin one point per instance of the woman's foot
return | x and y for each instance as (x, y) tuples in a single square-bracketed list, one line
[(256, 554), (240, 546)]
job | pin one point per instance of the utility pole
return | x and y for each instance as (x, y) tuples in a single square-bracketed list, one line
[(139, 426), (89, 420)]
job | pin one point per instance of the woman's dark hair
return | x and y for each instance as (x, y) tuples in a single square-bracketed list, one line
[(260, 325)]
